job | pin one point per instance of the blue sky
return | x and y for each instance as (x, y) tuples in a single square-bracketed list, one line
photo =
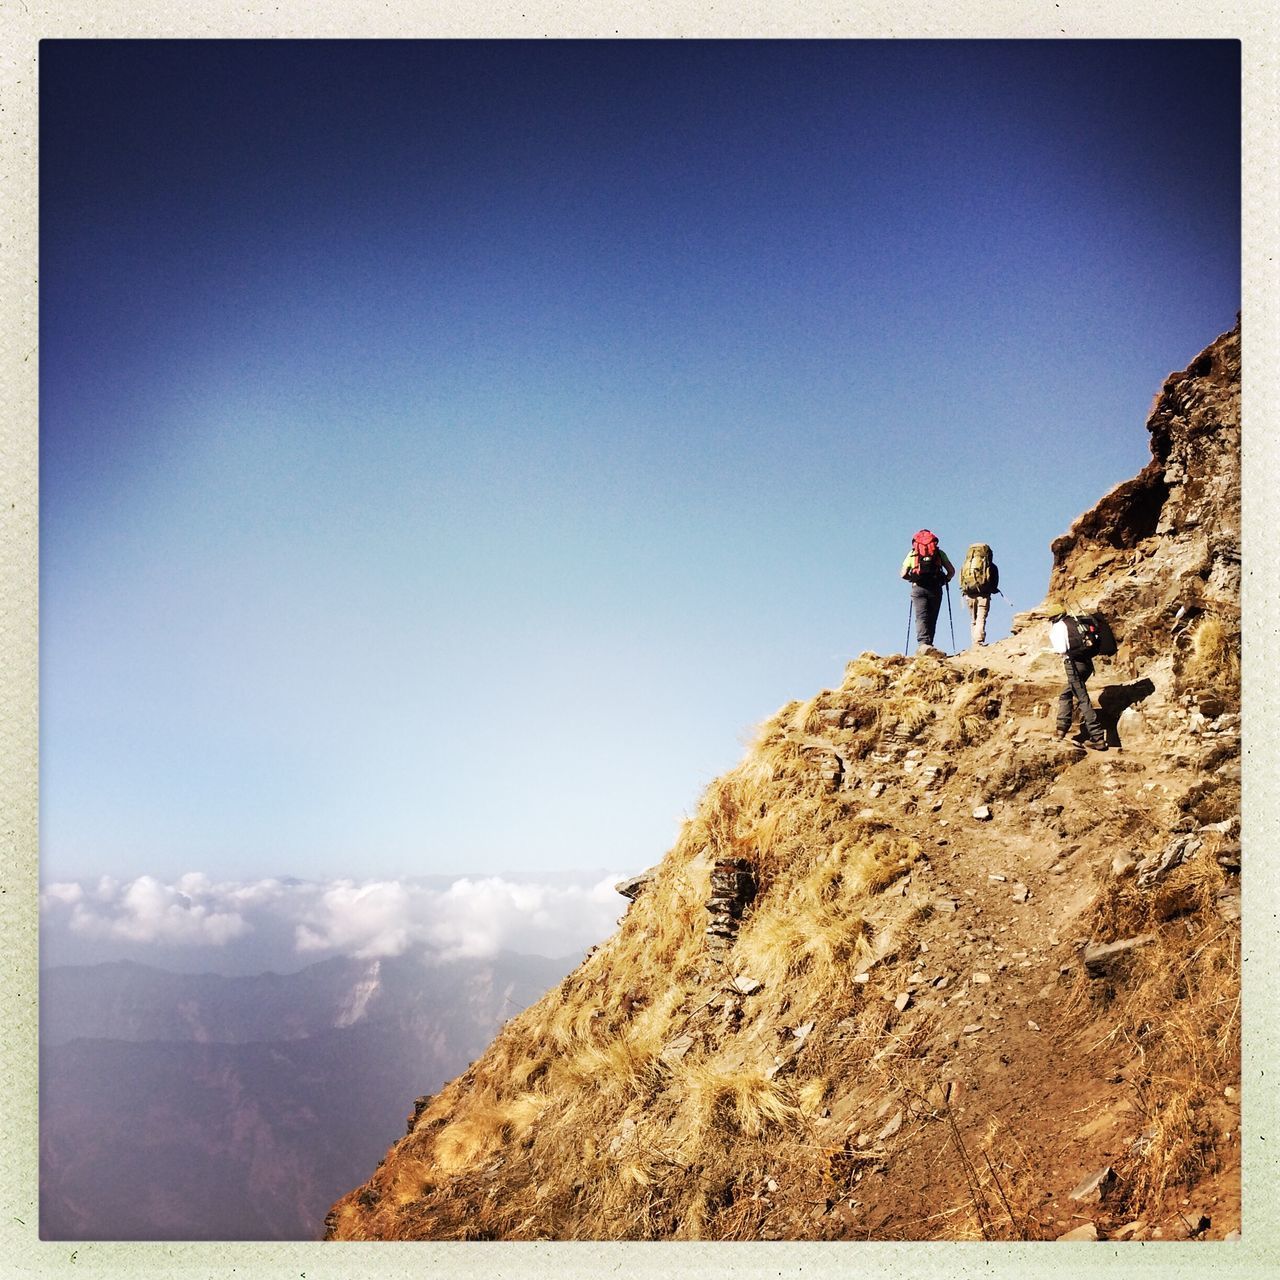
[(450, 450)]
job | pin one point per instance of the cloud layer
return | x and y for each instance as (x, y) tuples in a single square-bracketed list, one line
[(466, 918)]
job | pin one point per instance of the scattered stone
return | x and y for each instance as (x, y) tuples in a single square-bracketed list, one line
[(915, 979), (626, 1131), (938, 1095), (1233, 1235), (1032, 1026), (1142, 1143), (1020, 893), (1097, 1186), (633, 887), (1227, 827), (420, 1104), (676, 1049), (1188, 1227), (1231, 1093), (1122, 865), (891, 1128), (1182, 848), (936, 807), (1211, 706), (748, 986), (982, 813), (1130, 1231), (941, 981), (1228, 857), (801, 1032), (902, 1001), (876, 790), (862, 977), (866, 813), (996, 876), (944, 904), (1058, 868), (733, 885), (1088, 1232), (771, 1185), (980, 979), (1099, 961), (972, 1028)]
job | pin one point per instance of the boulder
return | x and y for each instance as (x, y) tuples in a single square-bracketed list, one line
[(633, 887)]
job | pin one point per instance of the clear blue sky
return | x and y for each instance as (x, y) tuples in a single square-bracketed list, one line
[(449, 451)]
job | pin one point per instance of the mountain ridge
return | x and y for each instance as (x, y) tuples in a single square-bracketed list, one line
[(911, 939), (177, 1106)]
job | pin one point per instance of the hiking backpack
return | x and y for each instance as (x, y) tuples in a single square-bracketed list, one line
[(924, 546), (1089, 634), (979, 575)]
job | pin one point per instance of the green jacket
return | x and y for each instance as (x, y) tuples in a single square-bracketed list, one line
[(946, 570)]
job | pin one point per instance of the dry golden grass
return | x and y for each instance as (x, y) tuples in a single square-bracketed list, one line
[(972, 716), (674, 1102), (1212, 658), (562, 1074), (1177, 1007), (1003, 1190)]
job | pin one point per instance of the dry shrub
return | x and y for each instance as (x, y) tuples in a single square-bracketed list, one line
[(973, 715), (1125, 909), (1213, 658)]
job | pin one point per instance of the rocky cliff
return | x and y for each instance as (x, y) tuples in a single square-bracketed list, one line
[(916, 969)]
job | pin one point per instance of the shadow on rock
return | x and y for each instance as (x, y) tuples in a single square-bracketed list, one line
[(1114, 699)]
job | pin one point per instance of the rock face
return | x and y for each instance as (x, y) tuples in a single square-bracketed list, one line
[(954, 965), (1162, 550)]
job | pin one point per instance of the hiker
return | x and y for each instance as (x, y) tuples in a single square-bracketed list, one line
[(928, 570), (979, 581), (1078, 637)]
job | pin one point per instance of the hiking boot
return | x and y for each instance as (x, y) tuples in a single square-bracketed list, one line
[(1096, 744)]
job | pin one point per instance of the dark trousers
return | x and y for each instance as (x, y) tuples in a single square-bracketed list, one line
[(1076, 694), (926, 600)]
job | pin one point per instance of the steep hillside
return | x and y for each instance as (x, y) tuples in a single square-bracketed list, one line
[(916, 969)]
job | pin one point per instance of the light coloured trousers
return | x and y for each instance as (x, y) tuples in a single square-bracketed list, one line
[(978, 606)]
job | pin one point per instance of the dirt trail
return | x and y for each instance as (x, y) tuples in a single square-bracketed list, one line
[(1034, 1067)]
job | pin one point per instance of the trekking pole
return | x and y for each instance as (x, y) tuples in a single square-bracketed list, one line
[(950, 619), (906, 644)]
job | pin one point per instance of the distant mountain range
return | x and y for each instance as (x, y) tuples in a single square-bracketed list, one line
[(197, 1107)]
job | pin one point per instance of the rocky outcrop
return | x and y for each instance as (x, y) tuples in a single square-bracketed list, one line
[(1161, 551)]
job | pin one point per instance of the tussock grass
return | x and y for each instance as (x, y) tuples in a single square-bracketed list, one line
[(552, 1090), (1211, 659), (973, 715), (1215, 651)]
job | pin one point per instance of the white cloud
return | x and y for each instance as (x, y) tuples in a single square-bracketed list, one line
[(146, 911), (62, 892), (472, 917)]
